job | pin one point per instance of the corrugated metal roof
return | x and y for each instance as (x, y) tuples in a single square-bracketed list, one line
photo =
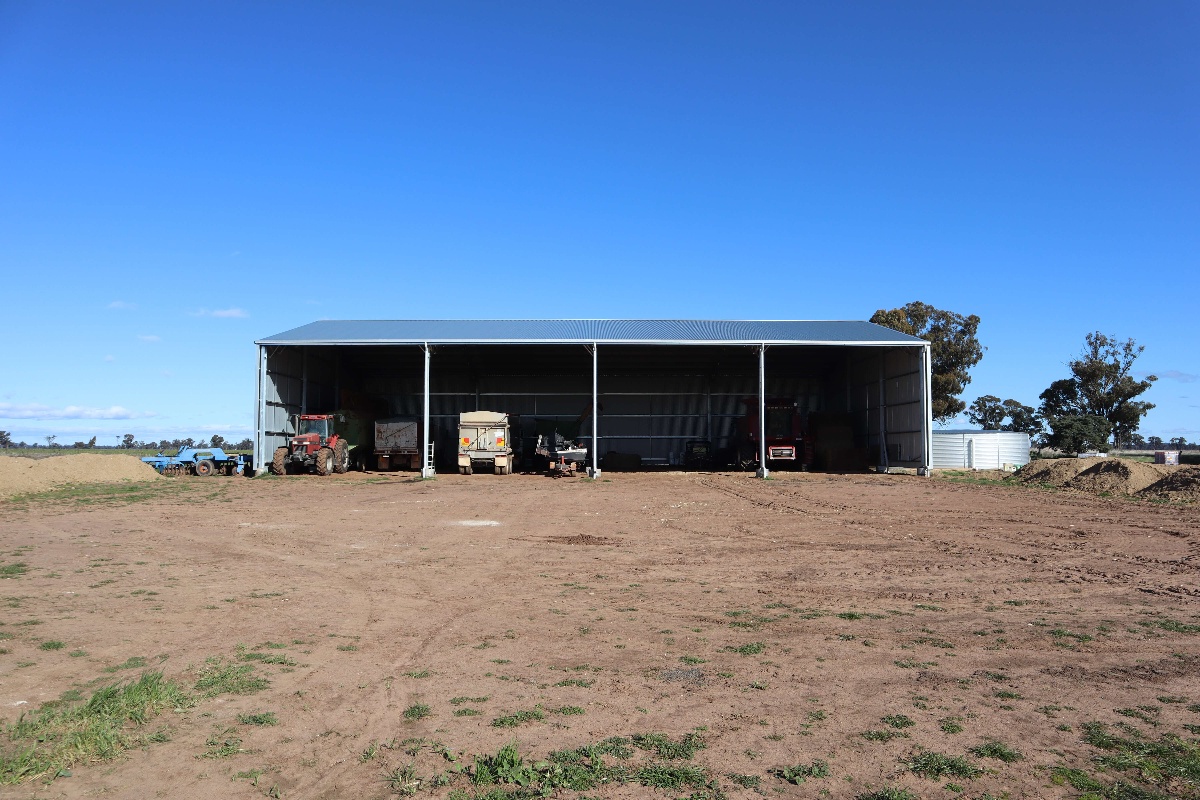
[(585, 331)]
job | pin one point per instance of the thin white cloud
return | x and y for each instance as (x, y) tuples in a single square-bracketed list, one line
[(222, 313), (39, 411), (1176, 375), (110, 358), (149, 337), (121, 305)]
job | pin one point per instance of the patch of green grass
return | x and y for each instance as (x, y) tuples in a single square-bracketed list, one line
[(77, 653), (882, 735), (582, 683), (744, 781), (222, 745), (1005, 694), (423, 673), (1161, 762), (518, 718), (692, 660), (1173, 626), (458, 701), (933, 765), (13, 570), (751, 649), (665, 747), (997, 750), (348, 648), (898, 721), (467, 712), (263, 718), (951, 724), (417, 711), (802, 772), (133, 662), (103, 494), (51, 645), (47, 742), (910, 663), (219, 676), (403, 780), (568, 711), (888, 793), (671, 776)]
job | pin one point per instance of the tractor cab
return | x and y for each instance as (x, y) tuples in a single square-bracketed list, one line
[(314, 431)]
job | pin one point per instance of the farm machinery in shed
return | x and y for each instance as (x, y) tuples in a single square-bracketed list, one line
[(200, 461), (321, 444)]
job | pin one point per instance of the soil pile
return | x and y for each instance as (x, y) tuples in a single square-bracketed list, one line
[(1057, 472), (1116, 476), (19, 475), (1180, 484)]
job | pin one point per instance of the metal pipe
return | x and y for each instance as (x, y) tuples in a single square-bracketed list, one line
[(426, 462), (595, 410), (763, 472)]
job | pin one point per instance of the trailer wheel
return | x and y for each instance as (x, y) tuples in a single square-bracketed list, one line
[(205, 467), (341, 457), (279, 462), (324, 461)]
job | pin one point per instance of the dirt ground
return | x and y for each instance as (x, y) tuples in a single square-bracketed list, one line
[(608, 608)]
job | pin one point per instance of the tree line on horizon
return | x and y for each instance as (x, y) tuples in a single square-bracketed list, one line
[(130, 442), (1095, 408)]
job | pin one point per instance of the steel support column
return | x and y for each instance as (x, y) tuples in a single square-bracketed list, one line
[(927, 404), (304, 380), (260, 411), (427, 469), (763, 472), (595, 470)]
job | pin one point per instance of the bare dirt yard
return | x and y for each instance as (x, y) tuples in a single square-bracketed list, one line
[(645, 635)]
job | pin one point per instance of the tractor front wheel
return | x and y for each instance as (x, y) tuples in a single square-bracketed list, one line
[(279, 462), (341, 457), (205, 467), (324, 461)]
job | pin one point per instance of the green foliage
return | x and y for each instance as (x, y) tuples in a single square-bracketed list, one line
[(264, 718), (417, 711), (751, 649), (518, 718), (664, 747), (1076, 433), (801, 772), (954, 349), (1101, 385), (219, 676), (898, 721), (889, 793), (990, 413), (744, 781), (1164, 762), (933, 765), (48, 741), (997, 750), (13, 570)]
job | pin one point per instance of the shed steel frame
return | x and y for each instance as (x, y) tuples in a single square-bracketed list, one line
[(898, 394)]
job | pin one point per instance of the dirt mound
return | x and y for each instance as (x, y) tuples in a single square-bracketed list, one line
[(1054, 471), (19, 475), (1116, 476), (1180, 484)]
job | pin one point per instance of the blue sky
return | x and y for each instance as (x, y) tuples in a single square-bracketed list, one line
[(179, 179)]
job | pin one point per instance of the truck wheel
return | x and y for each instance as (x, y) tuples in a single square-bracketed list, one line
[(204, 467), (341, 457), (279, 462), (467, 470), (324, 461)]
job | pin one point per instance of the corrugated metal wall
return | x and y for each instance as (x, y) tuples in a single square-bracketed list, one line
[(979, 449), (298, 380), (892, 380)]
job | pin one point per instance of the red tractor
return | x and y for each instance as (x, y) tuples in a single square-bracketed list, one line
[(785, 435), (317, 446)]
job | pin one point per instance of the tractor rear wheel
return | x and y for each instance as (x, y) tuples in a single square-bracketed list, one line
[(324, 461), (279, 462), (205, 467), (341, 457)]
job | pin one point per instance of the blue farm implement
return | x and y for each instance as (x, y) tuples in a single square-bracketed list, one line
[(202, 462)]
